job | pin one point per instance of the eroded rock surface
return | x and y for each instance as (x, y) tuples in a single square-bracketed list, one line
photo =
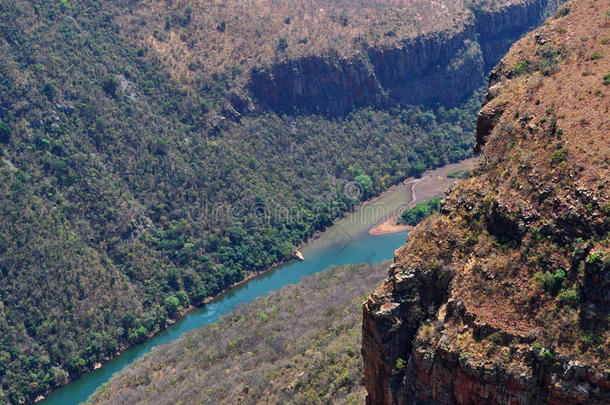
[(504, 297)]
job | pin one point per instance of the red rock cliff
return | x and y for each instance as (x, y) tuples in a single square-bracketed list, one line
[(504, 296)]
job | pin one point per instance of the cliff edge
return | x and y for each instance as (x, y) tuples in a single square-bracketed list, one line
[(326, 57), (504, 296)]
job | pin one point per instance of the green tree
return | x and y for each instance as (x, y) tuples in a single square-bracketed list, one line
[(128, 320), (49, 89), (111, 84), (183, 298), (172, 305), (421, 211), (5, 132), (365, 183)]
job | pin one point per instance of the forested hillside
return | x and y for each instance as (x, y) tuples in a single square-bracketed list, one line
[(128, 196)]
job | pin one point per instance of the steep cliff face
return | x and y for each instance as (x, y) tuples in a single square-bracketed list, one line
[(504, 297), (438, 67), (424, 70), (498, 26)]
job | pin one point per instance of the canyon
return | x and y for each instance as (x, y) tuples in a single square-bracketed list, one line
[(136, 137)]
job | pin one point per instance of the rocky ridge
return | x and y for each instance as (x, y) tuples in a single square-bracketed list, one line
[(436, 67), (504, 296), (331, 57)]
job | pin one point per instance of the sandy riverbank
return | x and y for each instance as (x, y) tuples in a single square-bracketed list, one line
[(432, 184)]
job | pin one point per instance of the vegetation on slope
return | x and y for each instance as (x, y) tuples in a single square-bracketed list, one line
[(195, 39), (421, 211), (460, 174), (126, 198), (519, 256), (296, 345)]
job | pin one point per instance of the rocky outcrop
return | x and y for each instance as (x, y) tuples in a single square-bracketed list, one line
[(390, 325), (444, 67), (499, 27), (441, 378), (318, 84), (503, 298), (430, 70)]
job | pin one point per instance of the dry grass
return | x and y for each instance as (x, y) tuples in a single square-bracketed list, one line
[(298, 345), (232, 36), (545, 169), (551, 147)]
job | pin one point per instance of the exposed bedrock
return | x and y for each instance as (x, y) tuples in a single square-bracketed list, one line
[(503, 297), (442, 68)]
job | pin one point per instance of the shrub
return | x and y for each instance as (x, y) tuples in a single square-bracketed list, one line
[(569, 297), (551, 281), (559, 156), (128, 320), (596, 56), (138, 334), (49, 89), (562, 12), (520, 68), (172, 305), (495, 338), (282, 44), (222, 26), (558, 278), (460, 174), (5, 132), (183, 298), (587, 341), (595, 258), (365, 183), (400, 364), (77, 365), (550, 59), (606, 79), (471, 240), (110, 85)]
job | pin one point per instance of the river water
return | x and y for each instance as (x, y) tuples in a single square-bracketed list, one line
[(348, 241)]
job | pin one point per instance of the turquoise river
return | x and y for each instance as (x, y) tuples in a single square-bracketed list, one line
[(347, 241)]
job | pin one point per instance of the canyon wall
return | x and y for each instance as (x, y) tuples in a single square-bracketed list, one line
[(504, 296), (498, 28), (444, 67)]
